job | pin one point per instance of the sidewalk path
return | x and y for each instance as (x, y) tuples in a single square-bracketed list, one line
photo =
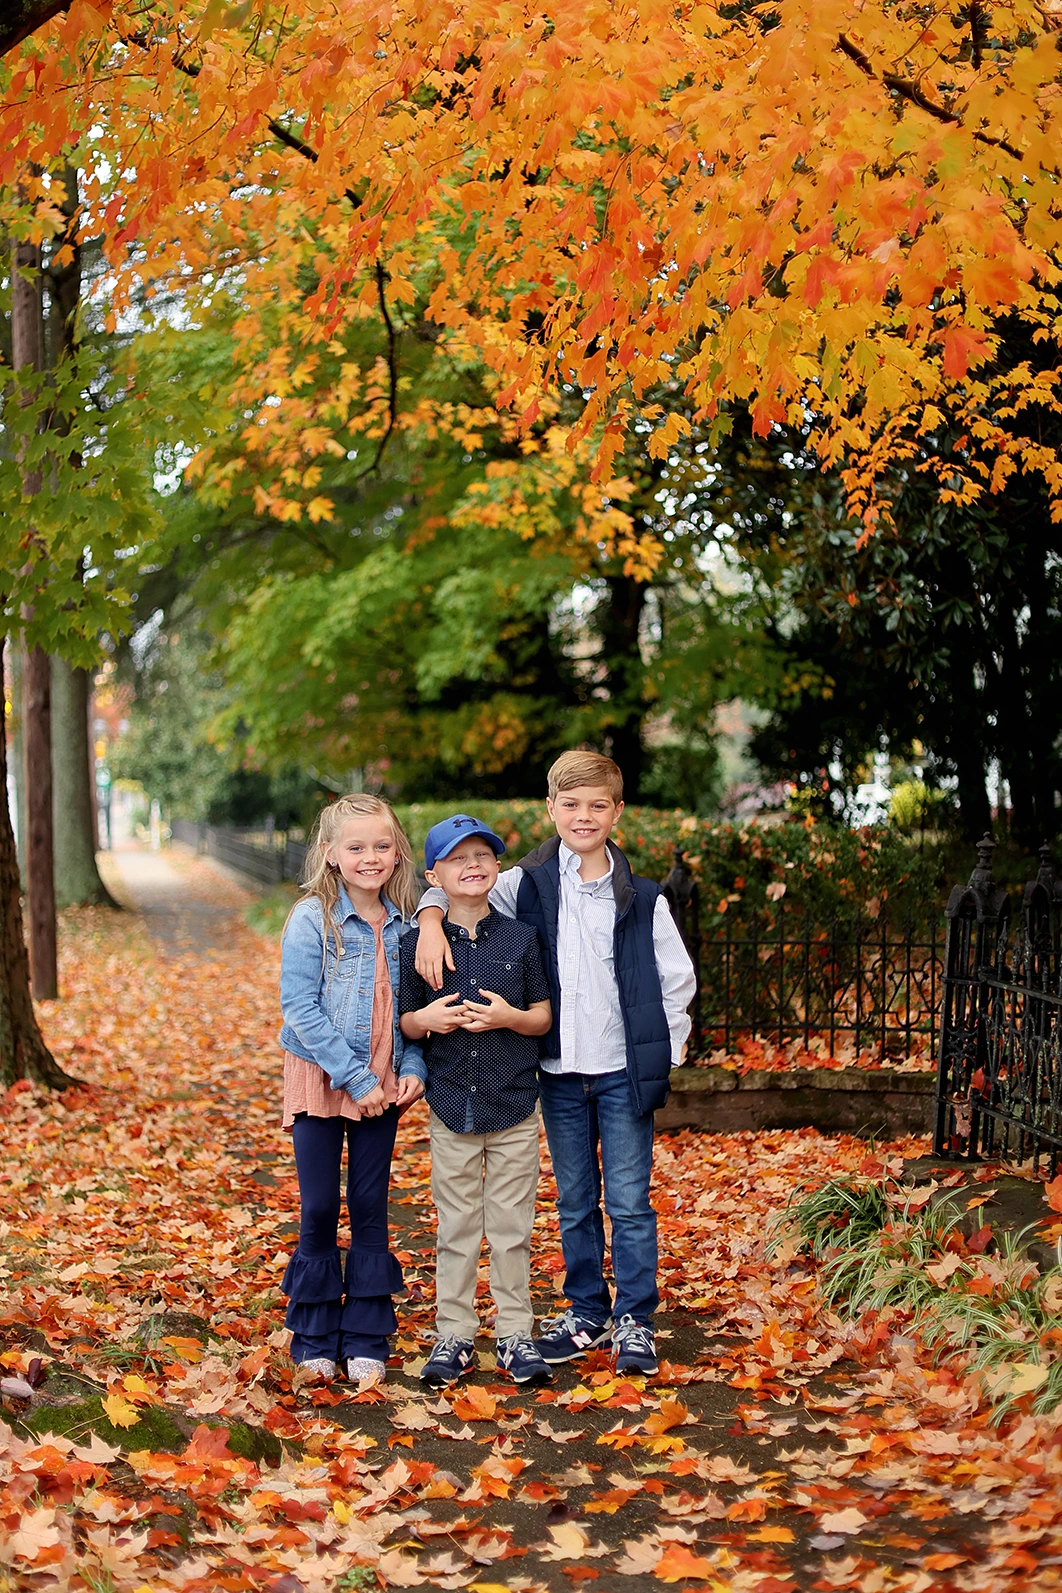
[(185, 909), (780, 1451)]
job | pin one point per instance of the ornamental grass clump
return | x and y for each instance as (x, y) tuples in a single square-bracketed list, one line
[(888, 1255)]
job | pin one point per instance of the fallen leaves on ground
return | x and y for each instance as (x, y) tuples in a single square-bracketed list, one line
[(147, 1220)]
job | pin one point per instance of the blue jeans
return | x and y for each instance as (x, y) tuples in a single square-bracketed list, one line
[(592, 1129)]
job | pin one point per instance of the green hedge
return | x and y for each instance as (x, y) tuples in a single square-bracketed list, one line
[(825, 868)]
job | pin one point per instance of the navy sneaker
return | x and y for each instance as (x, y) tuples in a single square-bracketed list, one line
[(567, 1337), (518, 1357), (450, 1360), (635, 1347)]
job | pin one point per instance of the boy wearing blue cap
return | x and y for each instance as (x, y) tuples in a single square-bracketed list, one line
[(481, 1050), (621, 981)]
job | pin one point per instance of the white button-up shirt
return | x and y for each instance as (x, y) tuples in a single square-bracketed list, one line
[(592, 1038)]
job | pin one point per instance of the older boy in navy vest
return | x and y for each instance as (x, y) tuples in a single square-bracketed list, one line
[(620, 983)]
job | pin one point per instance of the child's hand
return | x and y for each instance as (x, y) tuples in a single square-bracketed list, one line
[(372, 1105), (491, 1013), (443, 1016), (433, 953), (410, 1089)]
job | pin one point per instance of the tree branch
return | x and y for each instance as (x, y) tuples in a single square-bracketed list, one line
[(282, 134), (392, 372), (23, 17), (909, 90)]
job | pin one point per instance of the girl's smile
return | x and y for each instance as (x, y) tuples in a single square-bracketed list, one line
[(365, 854)]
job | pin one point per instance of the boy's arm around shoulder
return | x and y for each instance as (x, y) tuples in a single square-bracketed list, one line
[(678, 979), (302, 957), (411, 1063)]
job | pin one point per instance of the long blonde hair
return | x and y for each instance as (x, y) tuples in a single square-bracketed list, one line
[(321, 880)]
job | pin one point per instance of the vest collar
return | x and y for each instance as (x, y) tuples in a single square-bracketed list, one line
[(547, 857)]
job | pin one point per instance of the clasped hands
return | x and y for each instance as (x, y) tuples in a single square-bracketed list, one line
[(459, 1012), (410, 1089)]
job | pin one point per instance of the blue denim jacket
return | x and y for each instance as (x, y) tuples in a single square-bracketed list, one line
[(326, 1000)]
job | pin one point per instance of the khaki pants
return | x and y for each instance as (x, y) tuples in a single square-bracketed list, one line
[(484, 1184)]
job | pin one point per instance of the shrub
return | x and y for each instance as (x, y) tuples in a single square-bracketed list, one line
[(822, 868), (891, 1259)]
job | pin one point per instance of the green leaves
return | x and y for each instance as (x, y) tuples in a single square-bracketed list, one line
[(70, 551)]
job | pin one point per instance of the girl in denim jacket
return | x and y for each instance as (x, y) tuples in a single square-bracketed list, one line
[(348, 1073)]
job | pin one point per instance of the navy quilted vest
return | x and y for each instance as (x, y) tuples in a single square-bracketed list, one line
[(644, 1018)]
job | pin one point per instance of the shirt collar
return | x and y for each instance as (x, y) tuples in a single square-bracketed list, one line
[(483, 929), (569, 865), (345, 907)]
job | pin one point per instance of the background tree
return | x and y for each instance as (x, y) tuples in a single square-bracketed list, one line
[(66, 555)]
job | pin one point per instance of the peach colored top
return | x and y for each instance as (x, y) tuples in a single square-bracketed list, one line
[(307, 1087)]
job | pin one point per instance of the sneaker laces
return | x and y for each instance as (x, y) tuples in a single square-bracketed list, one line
[(634, 1336), (446, 1345), (567, 1322), (517, 1343)]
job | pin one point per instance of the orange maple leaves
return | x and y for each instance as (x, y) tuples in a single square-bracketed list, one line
[(763, 207)]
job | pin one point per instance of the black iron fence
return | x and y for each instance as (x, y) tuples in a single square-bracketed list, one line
[(983, 992), (857, 985), (999, 1079), (266, 856)]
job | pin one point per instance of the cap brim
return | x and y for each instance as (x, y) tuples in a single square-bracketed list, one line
[(496, 843)]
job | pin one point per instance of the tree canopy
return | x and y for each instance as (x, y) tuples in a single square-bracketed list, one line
[(819, 210)]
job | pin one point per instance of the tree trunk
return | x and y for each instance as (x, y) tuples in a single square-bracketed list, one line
[(27, 353), (23, 17), (40, 839), (618, 625), (23, 1053), (17, 763), (77, 879)]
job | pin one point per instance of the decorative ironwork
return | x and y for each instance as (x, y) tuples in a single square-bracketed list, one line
[(856, 984), (999, 1074)]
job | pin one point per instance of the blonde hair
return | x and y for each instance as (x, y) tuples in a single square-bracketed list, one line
[(585, 768), (321, 879)]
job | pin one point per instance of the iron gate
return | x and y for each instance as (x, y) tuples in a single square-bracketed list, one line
[(999, 1074)]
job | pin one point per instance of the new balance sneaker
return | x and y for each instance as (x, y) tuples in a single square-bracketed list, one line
[(567, 1337), (363, 1369), (518, 1357), (635, 1347), (450, 1360)]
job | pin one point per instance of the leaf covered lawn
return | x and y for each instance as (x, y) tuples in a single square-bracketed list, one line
[(147, 1218)]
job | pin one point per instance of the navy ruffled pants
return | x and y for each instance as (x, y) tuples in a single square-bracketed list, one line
[(330, 1316)]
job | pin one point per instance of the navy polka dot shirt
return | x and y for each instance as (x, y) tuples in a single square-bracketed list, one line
[(479, 1083)]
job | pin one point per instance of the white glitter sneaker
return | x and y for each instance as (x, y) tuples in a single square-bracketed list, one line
[(320, 1370), (364, 1371)]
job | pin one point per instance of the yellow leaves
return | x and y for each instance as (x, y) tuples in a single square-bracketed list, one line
[(1012, 1381), (121, 1405), (187, 1349), (119, 1412)]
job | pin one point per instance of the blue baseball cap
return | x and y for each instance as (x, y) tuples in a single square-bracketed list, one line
[(448, 833)]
